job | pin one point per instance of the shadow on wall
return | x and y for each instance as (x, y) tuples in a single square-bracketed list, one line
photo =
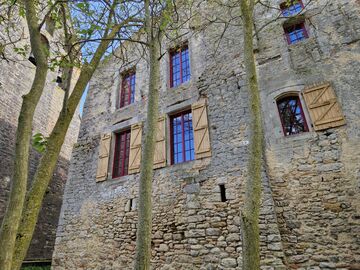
[(42, 245)]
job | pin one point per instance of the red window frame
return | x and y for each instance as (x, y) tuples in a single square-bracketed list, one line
[(172, 53), (121, 154), (285, 7), (306, 128), (289, 29), (172, 151), (127, 89)]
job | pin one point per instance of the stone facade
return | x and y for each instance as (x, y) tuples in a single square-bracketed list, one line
[(16, 77), (310, 203)]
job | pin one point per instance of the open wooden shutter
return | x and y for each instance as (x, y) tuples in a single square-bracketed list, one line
[(135, 148), (160, 146), (324, 109), (201, 130), (104, 154)]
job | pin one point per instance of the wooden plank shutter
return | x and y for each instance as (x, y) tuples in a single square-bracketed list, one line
[(104, 154), (325, 111), (201, 130), (160, 145), (135, 148)]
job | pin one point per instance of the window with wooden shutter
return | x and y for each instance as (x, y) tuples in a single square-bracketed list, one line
[(135, 148), (324, 109), (104, 153), (160, 146), (201, 130)]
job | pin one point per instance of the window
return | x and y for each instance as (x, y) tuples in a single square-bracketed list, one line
[(291, 115), (292, 8), (121, 154), (179, 66), (182, 138), (127, 92), (295, 33)]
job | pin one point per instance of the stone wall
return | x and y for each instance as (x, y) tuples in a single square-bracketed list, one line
[(16, 77), (310, 204)]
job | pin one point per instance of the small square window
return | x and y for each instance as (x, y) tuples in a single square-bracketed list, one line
[(179, 66), (292, 116), (295, 33), (127, 90), (182, 138), (121, 154), (292, 8)]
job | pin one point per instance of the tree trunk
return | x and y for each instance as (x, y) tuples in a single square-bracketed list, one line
[(143, 238), (13, 212), (48, 161), (252, 199)]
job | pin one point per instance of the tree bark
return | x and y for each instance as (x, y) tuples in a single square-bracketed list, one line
[(252, 199), (13, 212), (48, 161), (143, 237)]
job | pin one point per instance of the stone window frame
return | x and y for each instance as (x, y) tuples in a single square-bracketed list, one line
[(116, 128), (295, 28), (169, 111), (123, 76), (272, 125), (165, 66), (181, 47), (116, 88)]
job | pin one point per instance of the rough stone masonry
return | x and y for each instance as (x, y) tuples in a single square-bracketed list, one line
[(16, 77), (310, 213)]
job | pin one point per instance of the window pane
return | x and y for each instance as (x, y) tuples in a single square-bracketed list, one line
[(182, 134), (127, 95), (292, 116), (121, 154)]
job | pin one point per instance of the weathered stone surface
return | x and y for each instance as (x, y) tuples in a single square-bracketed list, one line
[(310, 184), (16, 77)]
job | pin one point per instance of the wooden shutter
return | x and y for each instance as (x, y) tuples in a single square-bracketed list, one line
[(160, 146), (135, 148), (104, 153), (324, 109), (201, 130)]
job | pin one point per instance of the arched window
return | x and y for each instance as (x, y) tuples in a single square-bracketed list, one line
[(292, 115)]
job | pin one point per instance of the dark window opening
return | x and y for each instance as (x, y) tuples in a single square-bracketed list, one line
[(131, 204), (291, 8), (179, 66), (182, 138), (127, 91), (295, 33), (58, 80), (32, 59), (121, 154), (223, 192), (292, 115)]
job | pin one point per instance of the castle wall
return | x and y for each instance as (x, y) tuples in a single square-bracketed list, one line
[(16, 77), (309, 213)]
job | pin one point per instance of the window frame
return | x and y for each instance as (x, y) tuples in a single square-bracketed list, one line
[(292, 26), (172, 152), (284, 7), (173, 51), (122, 171), (289, 96), (121, 92)]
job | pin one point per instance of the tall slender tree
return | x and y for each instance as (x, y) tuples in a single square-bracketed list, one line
[(23, 207), (155, 25), (252, 199)]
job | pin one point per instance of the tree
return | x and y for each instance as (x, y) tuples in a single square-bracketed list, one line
[(252, 199), (155, 24), (24, 206)]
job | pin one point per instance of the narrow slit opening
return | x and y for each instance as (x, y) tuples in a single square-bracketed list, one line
[(131, 204), (222, 192)]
